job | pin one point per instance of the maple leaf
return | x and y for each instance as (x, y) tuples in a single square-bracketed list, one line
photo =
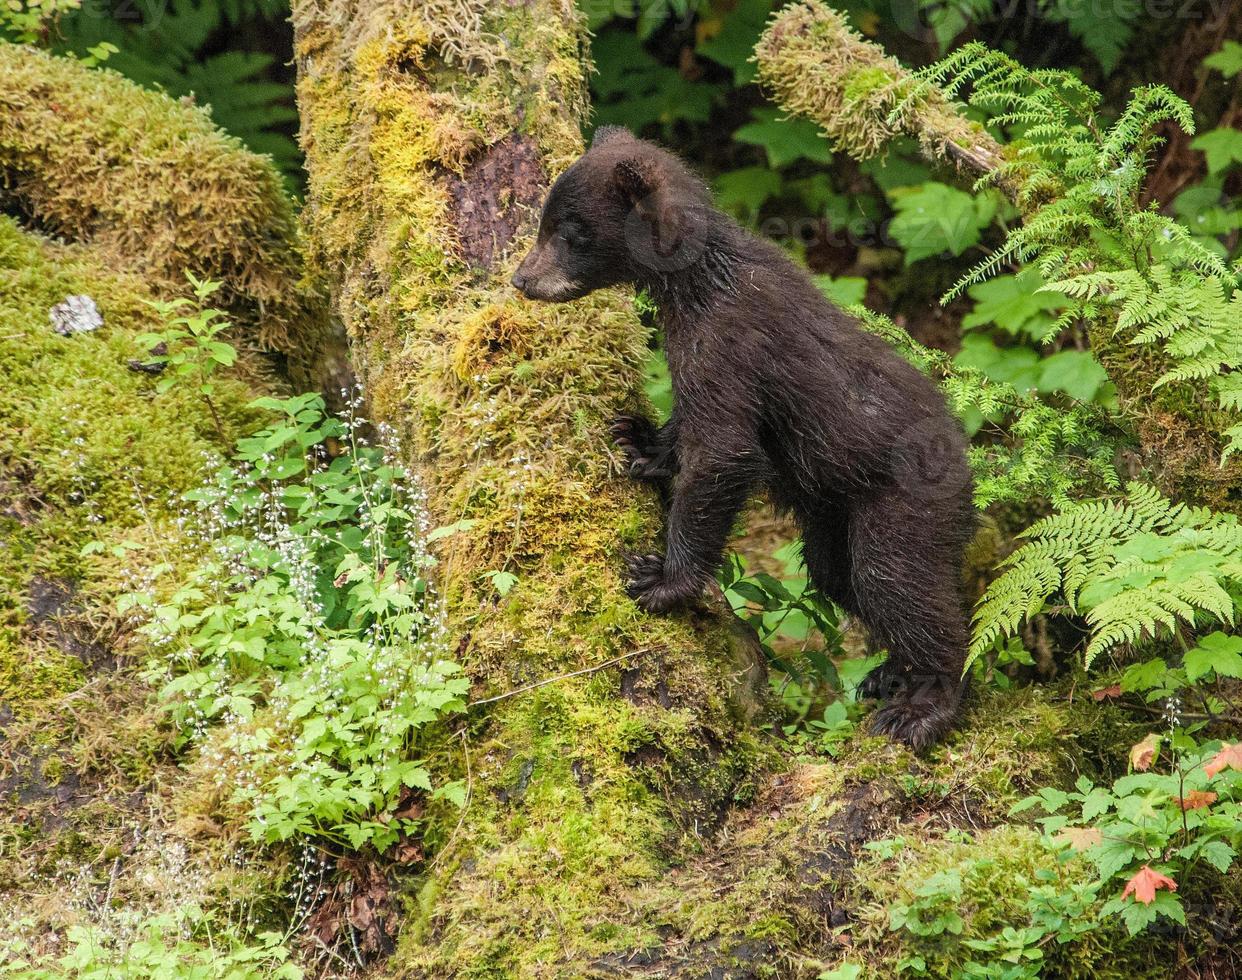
[(1143, 753), (1196, 799), (1107, 693), (1080, 838), (1145, 883), (1229, 757)]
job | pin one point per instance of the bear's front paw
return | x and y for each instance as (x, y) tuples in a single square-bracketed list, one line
[(639, 440), (647, 586)]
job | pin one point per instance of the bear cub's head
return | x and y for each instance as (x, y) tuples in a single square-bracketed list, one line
[(625, 212)]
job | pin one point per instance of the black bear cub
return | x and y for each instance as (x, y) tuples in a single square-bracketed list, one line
[(774, 387)]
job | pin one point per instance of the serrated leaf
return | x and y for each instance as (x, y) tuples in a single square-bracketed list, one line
[(935, 218), (1228, 60), (1222, 147), (1217, 652)]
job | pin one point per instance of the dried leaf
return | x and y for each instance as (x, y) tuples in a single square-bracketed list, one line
[(407, 851), (1196, 799), (1229, 757), (1144, 753), (1107, 693), (1080, 838), (1145, 883)]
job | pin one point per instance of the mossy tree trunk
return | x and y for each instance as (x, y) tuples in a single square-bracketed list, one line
[(815, 66), (431, 132)]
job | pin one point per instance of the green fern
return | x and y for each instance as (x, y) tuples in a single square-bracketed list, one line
[(1079, 186), (169, 52), (1134, 569)]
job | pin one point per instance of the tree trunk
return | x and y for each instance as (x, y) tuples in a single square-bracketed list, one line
[(431, 132), (816, 66)]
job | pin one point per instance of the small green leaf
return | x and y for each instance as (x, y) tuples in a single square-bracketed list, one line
[(1223, 148)]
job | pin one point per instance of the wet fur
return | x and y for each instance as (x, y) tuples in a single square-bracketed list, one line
[(776, 388)]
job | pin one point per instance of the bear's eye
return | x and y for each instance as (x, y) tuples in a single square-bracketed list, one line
[(571, 235)]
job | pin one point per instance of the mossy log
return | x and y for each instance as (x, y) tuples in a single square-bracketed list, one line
[(156, 188), (815, 65)]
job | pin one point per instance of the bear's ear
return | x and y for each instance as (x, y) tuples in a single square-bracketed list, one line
[(609, 134), (635, 178)]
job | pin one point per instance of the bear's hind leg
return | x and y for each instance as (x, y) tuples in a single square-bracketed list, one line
[(905, 559)]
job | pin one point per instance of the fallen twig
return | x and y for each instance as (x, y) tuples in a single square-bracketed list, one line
[(560, 677)]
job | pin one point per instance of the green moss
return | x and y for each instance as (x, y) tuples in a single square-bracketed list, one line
[(88, 451), (24, 684), (863, 82), (151, 182), (580, 794)]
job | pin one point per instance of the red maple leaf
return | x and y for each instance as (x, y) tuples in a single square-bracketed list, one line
[(1229, 757), (1196, 799), (1145, 883), (1107, 693)]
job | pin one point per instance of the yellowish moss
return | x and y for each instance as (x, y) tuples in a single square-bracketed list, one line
[(579, 793), (151, 182), (88, 451)]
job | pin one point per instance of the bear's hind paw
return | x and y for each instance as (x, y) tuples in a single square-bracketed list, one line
[(920, 722)]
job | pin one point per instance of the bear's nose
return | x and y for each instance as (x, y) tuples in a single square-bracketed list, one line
[(519, 281)]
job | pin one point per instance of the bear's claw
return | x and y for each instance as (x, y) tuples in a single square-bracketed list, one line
[(920, 718)]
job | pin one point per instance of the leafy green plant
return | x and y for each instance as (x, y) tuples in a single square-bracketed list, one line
[(1058, 907), (788, 610), (1078, 181), (170, 945), (1152, 831), (188, 349), (1133, 569), (815, 679), (304, 650), (28, 21)]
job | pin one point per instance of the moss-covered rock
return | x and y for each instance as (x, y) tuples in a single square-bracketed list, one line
[(151, 182)]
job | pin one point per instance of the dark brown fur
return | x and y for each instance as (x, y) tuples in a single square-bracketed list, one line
[(774, 387)]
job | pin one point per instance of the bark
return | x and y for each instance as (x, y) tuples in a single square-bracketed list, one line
[(431, 132), (814, 65)]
